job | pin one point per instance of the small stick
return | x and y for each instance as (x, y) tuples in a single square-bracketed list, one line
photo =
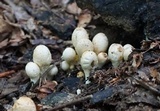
[(146, 86), (4, 74), (72, 102), (6, 7)]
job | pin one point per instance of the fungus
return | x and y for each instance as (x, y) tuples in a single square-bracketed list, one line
[(24, 104), (127, 51), (83, 45), (100, 43), (42, 57), (115, 54), (88, 61), (69, 54), (78, 34), (33, 71), (102, 58), (52, 72), (64, 65)]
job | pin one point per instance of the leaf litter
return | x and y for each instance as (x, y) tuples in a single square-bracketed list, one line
[(134, 85)]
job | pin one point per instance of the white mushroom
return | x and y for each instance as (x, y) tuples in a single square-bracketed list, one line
[(69, 54), (83, 45), (64, 65), (33, 71), (127, 51), (88, 61), (78, 34), (102, 58), (115, 54), (42, 57), (24, 104), (100, 43), (52, 73)]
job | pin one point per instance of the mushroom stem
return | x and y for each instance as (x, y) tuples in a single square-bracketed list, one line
[(87, 74)]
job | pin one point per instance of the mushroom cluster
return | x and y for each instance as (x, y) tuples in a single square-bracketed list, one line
[(89, 54), (117, 53), (92, 54), (41, 61)]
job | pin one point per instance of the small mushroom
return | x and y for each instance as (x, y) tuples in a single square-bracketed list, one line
[(78, 34), (24, 104), (115, 54), (88, 61), (52, 73), (69, 55), (33, 71), (64, 65), (102, 58), (83, 45), (127, 51), (100, 43), (42, 56)]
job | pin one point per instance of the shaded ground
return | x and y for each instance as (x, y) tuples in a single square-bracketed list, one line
[(133, 86)]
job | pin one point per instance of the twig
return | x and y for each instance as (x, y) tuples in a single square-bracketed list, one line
[(72, 102), (146, 86), (6, 7), (4, 74)]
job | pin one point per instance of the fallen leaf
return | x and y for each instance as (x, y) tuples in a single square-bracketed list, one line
[(84, 18)]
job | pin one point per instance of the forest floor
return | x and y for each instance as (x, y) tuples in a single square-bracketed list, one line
[(133, 86)]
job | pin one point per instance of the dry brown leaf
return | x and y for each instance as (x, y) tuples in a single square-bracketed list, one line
[(84, 18), (4, 27), (3, 43), (50, 84), (17, 36), (137, 60), (155, 74)]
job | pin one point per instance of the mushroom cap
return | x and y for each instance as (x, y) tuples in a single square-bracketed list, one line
[(42, 55), (64, 65), (115, 54), (83, 45), (53, 71), (100, 43), (102, 58), (78, 34), (88, 60), (69, 54), (128, 48), (32, 70), (24, 104)]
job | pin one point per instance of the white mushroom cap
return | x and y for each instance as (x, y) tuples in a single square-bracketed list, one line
[(128, 48), (69, 54), (83, 45), (53, 71), (78, 34), (88, 61), (33, 71), (115, 54), (24, 104), (64, 65), (102, 58), (42, 56), (100, 43)]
